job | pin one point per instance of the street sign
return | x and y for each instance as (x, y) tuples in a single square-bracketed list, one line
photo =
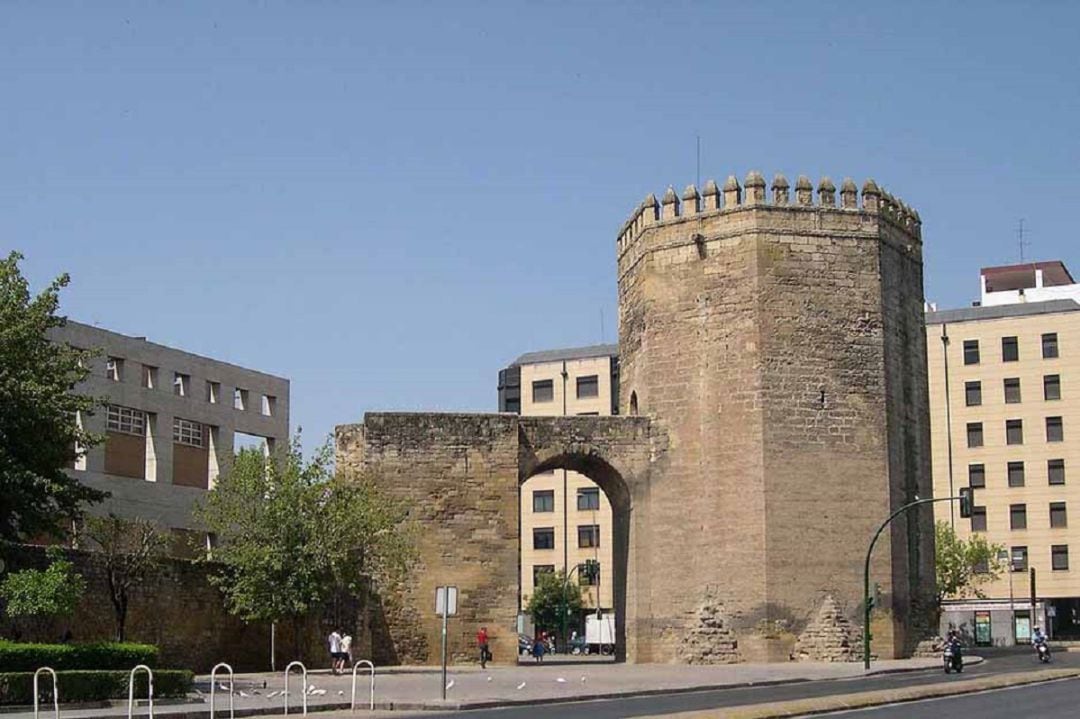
[(441, 603)]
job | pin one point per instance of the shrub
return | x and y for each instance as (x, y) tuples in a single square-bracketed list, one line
[(17, 657), (83, 686)]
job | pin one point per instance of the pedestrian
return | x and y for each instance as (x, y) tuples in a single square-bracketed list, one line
[(482, 643), (346, 651), (538, 648), (334, 642)]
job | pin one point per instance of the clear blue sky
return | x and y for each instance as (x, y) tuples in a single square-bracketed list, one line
[(387, 202)]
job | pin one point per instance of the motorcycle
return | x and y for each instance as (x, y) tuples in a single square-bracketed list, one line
[(952, 658), (1042, 649)]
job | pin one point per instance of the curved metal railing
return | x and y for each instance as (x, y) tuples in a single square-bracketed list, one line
[(303, 686), (55, 692), (232, 688), (149, 689), (371, 698)]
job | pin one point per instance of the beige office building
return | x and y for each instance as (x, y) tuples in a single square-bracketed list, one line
[(565, 517), (1005, 417)]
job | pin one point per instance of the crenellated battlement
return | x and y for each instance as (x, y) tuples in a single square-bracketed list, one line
[(755, 194)]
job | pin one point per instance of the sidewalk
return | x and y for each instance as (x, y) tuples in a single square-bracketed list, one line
[(416, 688)]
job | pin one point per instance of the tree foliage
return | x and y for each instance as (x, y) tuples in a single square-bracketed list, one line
[(554, 597), (963, 565), (44, 593), (129, 549), (38, 433), (291, 533)]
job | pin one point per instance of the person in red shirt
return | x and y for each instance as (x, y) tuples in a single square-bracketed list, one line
[(482, 643)]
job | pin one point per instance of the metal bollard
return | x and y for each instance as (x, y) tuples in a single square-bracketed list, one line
[(371, 702), (55, 692), (149, 689), (303, 687), (213, 687)]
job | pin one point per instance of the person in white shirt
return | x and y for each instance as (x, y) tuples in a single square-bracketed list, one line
[(346, 651), (334, 640)]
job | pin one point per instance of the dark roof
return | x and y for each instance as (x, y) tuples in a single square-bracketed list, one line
[(570, 353), (995, 312), (1022, 276)]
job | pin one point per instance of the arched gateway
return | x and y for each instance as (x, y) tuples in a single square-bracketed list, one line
[(774, 347)]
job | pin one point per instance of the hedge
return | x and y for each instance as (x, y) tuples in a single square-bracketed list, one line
[(83, 686), (18, 657)]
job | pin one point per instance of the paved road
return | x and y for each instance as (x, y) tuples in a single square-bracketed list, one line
[(696, 701), (1053, 700)]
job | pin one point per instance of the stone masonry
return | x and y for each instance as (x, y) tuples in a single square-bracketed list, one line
[(775, 354)]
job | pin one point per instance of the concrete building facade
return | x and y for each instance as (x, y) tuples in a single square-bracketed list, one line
[(1005, 401), (170, 425)]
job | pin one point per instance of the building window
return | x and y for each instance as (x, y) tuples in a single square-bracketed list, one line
[(1017, 516), (587, 578), (269, 405), (588, 535), (982, 566), (971, 351), (213, 392), (181, 384), (1019, 559), (1051, 386), (588, 386), (544, 501), (976, 475), (1012, 390), (973, 393), (1058, 517), (543, 390), (539, 569), (149, 376), (240, 399), (978, 519), (1055, 471), (1016, 474), (513, 405), (974, 434), (114, 369), (1059, 557), (125, 420), (184, 431), (544, 538), (1014, 431), (1010, 349), (1055, 432), (588, 499), (1049, 345)]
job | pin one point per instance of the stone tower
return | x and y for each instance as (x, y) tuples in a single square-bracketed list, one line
[(779, 343)]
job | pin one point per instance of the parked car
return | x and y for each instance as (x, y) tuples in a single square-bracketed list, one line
[(524, 644)]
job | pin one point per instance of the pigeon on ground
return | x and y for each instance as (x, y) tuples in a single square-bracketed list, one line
[(521, 686), (582, 678), (489, 679), (449, 684), (341, 693), (560, 680), (222, 687), (243, 694)]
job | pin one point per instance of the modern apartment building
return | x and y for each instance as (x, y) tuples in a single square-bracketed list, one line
[(565, 517), (1005, 418), (171, 424)]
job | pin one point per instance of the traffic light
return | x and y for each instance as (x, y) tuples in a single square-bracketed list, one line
[(967, 501), (591, 570)]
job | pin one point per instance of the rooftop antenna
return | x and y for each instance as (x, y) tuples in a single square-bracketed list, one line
[(603, 335), (697, 177), (1020, 239)]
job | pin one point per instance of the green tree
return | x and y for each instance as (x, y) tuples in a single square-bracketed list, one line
[(128, 549), (41, 595), (554, 597), (38, 432), (963, 565), (291, 533)]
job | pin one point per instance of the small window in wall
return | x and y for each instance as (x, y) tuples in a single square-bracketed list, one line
[(1055, 471), (971, 351), (1010, 349), (974, 434), (543, 390), (633, 403), (1051, 387), (1050, 345), (187, 432), (588, 386), (1058, 516), (588, 499), (1019, 556), (541, 569), (1055, 431), (1017, 516), (544, 500), (978, 519), (1014, 431), (544, 538), (1059, 557), (213, 392), (1016, 474), (976, 475), (588, 535), (513, 405), (1012, 390), (125, 420), (181, 384), (149, 377), (114, 369), (240, 399), (973, 393), (269, 405)]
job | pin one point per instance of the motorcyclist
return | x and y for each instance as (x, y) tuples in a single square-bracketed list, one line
[(1038, 637)]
